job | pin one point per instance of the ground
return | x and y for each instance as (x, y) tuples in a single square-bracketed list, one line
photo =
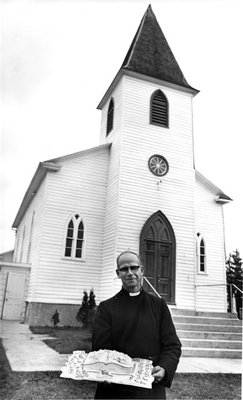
[(48, 385)]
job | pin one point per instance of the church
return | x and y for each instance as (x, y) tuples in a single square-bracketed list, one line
[(138, 190)]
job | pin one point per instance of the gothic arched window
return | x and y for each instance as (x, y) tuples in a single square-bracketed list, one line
[(110, 117), (159, 109), (74, 240), (201, 254)]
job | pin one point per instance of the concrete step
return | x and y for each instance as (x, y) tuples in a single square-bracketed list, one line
[(175, 312), (207, 327), (211, 353), (212, 344), (206, 320), (208, 335)]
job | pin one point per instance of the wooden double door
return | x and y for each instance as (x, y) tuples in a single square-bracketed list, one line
[(157, 250)]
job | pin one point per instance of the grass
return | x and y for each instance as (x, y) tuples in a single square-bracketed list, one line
[(49, 385), (39, 385), (67, 339)]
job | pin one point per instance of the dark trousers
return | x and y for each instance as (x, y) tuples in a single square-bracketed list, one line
[(106, 390)]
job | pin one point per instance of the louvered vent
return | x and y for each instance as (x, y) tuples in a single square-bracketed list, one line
[(110, 116), (159, 109)]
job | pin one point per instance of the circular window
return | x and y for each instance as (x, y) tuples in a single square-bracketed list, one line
[(158, 165)]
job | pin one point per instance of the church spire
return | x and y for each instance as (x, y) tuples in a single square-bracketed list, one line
[(150, 54)]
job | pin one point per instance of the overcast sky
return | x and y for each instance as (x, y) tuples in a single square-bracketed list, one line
[(58, 59)]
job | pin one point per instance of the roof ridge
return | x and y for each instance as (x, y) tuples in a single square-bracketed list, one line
[(135, 39)]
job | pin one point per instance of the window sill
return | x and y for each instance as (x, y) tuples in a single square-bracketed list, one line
[(73, 259)]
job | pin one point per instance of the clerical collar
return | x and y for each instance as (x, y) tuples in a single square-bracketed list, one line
[(134, 294), (125, 292)]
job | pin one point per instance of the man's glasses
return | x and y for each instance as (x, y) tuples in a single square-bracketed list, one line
[(133, 268)]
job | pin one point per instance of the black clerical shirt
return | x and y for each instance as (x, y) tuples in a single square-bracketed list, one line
[(140, 326)]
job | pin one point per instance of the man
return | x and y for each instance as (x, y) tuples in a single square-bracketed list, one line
[(138, 324)]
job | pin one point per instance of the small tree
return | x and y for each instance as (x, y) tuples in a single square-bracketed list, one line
[(92, 303), (234, 275), (92, 309), (87, 310), (82, 315)]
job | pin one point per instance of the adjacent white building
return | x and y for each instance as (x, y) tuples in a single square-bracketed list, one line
[(137, 190)]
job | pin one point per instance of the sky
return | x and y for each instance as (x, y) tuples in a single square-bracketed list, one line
[(58, 59)]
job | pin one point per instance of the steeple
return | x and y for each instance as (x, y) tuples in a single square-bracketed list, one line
[(150, 54)]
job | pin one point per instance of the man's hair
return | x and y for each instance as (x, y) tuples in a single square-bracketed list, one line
[(128, 252)]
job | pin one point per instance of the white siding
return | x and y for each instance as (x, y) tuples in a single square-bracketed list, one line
[(210, 223), (137, 192), (78, 187), (33, 234), (107, 287)]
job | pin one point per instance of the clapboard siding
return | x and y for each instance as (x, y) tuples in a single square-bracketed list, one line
[(137, 192), (107, 283), (59, 279), (210, 225), (141, 193), (30, 227)]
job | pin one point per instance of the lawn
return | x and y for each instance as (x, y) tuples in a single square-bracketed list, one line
[(49, 385), (67, 339)]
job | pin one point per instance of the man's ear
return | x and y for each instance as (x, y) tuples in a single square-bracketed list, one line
[(142, 269), (117, 272)]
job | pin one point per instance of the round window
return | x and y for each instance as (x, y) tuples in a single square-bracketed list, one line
[(158, 165)]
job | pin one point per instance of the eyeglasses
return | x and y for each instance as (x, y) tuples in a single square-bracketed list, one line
[(133, 268)]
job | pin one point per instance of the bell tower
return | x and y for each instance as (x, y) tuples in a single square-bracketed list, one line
[(147, 118)]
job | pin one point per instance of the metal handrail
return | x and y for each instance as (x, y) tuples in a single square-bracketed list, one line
[(235, 287), (150, 284), (231, 291), (222, 284), (212, 284)]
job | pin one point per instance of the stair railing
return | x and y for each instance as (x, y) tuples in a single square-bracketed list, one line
[(150, 284), (231, 298), (212, 284), (231, 285)]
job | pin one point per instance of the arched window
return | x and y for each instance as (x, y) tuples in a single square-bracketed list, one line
[(110, 117), (74, 241), (159, 109), (201, 253)]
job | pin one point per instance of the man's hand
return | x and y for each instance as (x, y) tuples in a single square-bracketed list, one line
[(158, 373)]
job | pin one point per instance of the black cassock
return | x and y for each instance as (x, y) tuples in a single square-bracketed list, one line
[(140, 326)]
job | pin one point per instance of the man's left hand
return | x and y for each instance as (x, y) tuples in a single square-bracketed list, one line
[(158, 373)]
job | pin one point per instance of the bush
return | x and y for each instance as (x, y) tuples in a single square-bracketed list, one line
[(234, 275), (87, 311)]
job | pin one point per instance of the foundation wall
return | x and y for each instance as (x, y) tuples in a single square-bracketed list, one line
[(40, 314)]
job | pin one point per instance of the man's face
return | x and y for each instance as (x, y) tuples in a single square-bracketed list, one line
[(130, 271)]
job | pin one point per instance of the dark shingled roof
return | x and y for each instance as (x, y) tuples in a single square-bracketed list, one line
[(150, 54)]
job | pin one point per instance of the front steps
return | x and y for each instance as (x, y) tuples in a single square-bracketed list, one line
[(208, 334)]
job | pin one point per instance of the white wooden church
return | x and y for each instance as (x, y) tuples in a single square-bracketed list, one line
[(137, 190)]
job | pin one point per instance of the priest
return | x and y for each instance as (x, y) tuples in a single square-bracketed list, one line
[(139, 324)]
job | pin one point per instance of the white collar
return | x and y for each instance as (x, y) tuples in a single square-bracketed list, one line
[(134, 294)]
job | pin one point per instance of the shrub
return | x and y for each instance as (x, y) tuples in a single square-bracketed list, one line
[(86, 313)]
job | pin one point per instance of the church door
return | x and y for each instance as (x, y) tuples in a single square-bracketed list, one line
[(157, 251)]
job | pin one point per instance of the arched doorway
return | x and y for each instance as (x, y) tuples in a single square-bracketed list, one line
[(157, 251)]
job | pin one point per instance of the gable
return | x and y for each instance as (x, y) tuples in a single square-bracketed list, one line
[(53, 165)]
